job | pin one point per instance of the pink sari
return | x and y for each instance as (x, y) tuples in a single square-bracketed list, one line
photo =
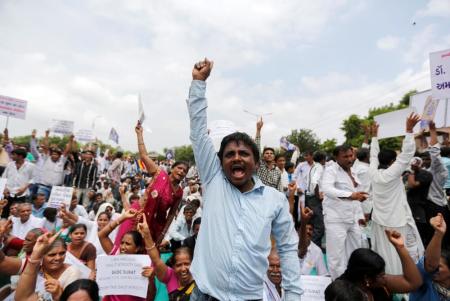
[(160, 198)]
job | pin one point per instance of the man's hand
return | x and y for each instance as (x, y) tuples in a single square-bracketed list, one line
[(438, 224), (259, 124), (359, 196), (374, 129), (432, 125), (292, 187), (202, 70), (395, 238), (411, 122), (305, 214), (139, 130)]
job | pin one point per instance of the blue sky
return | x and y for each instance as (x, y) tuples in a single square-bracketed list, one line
[(310, 63)]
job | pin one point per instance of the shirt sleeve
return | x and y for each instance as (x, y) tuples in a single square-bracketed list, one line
[(374, 150), (287, 245), (328, 187), (205, 155), (402, 161), (438, 169)]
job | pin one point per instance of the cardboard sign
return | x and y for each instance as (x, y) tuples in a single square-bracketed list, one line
[(392, 124), (121, 275), (429, 111), (440, 74), (13, 107), (141, 113), (60, 195), (314, 287), (84, 135), (64, 127)]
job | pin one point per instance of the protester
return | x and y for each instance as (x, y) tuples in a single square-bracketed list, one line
[(280, 160), (434, 267), (390, 207), (272, 281), (240, 210), (342, 290), (85, 176), (80, 248), (25, 222), (39, 204)]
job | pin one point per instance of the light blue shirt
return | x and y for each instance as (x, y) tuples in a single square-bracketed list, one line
[(234, 242), (446, 162)]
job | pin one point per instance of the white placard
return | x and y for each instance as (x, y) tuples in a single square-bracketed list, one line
[(84, 135), (121, 275), (72, 260), (219, 129), (60, 195), (2, 186), (393, 124), (314, 287), (64, 127), (440, 74), (419, 100), (13, 107)]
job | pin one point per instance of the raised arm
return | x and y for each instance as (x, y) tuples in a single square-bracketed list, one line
[(123, 196), (306, 215), (259, 125), (69, 146), (205, 155), (160, 267), (103, 234), (374, 147), (411, 278), (151, 166), (8, 265), (438, 169), (45, 143), (433, 251)]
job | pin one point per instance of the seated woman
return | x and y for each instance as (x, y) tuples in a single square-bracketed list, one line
[(163, 194), (46, 260), (179, 280), (81, 289), (132, 243), (366, 269), (434, 266), (80, 248)]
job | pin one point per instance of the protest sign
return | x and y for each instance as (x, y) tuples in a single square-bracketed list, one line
[(13, 107), (440, 74), (2, 186), (314, 287), (121, 275), (429, 111), (141, 114), (114, 136), (64, 127), (219, 129), (285, 144), (72, 260), (392, 124), (84, 135), (60, 195)]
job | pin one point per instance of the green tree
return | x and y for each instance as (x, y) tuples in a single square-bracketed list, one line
[(353, 130), (328, 145), (184, 153), (305, 139)]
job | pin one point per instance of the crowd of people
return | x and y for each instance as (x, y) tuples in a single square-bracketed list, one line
[(242, 223)]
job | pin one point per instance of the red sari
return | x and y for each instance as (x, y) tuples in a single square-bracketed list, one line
[(160, 198)]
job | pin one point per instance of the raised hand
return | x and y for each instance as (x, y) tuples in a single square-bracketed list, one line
[(259, 124), (5, 227), (306, 214), (374, 129), (202, 70), (147, 272), (130, 213), (411, 122), (292, 187), (139, 130), (432, 125), (3, 203), (438, 223), (395, 238), (143, 229), (42, 244)]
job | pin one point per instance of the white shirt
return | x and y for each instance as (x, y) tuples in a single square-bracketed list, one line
[(80, 211), (361, 169), (179, 230), (337, 187), (390, 206), (270, 292), (284, 180), (313, 259), (300, 175), (52, 173), (18, 178), (314, 178), (20, 229)]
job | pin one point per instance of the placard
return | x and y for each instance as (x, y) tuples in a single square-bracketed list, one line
[(72, 260), (429, 111), (60, 195), (121, 275), (64, 127), (440, 74), (314, 287), (393, 124), (84, 135), (13, 107)]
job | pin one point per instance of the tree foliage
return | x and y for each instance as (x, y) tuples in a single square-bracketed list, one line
[(305, 139)]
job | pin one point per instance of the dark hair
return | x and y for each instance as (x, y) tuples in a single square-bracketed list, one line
[(37, 231), (386, 157), (445, 151), (55, 150), (308, 152), (239, 137), (20, 152), (425, 155), (133, 197), (363, 263), (197, 221), (59, 241), (137, 238), (105, 213), (289, 165), (279, 155), (341, 149), (188, 207), (319, 156), (171, 261), (90, 286), (195, 203), (341, 290), (268, 148), (363, 154), (50, 214), (77, 226), (180, 163), (119, 154)]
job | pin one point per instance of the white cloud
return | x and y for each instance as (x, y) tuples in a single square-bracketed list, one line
[(388, 43), (436, 8)]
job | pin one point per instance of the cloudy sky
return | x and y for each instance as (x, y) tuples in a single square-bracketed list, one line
[(309, 63)]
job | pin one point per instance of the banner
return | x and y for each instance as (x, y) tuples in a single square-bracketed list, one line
[(121, 275), (60, 195), (141, 114), (13, 107), (440, 74), (314, 287), (392, 124), (285, 144), (84, 136), (169, 154), (114, 136), (64, 127)]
